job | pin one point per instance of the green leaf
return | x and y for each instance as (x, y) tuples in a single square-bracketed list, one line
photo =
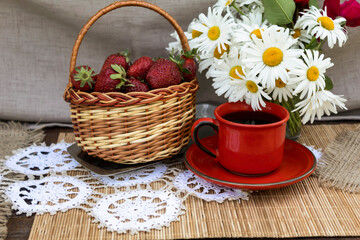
[(125, 53), (120, 84), (328, 83), (118, 68), (115, 76), (187, 71), (314, 3), (82, 84), (279, 12)]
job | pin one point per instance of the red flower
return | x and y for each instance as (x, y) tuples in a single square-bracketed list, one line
[(350, 10)]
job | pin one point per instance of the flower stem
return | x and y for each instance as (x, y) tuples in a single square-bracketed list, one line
[(294, 122), (237, 9), (312, 40), (318, 47)]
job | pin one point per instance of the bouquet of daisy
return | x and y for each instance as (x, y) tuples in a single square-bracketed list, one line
[(255, 50)]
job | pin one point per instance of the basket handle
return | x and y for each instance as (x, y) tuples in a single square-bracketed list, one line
[(113, 6)]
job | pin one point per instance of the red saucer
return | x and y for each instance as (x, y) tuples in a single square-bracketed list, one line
[(298, 164)]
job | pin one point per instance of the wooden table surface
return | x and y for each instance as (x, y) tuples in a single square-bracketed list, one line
[(19, 226)]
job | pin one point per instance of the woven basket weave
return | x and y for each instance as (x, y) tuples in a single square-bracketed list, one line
[(136, 127)]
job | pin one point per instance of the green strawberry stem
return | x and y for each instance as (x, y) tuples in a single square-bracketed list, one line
[(121, 75), (179, 62), (190, 54), (85, 76), (126, 54)]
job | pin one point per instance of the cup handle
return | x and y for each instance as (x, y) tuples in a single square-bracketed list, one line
[(195, 130)]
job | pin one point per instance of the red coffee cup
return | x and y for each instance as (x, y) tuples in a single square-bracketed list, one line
[(243, 148)]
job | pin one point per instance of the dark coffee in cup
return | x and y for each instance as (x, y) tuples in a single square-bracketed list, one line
[(251, 117)]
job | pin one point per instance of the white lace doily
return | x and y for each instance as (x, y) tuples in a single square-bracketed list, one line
[(317, 152), (206, 190), (140, 210), (149, 198), (38, 160), (141, 176), (51, 194)]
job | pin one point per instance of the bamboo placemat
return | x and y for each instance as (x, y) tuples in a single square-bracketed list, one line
[(301, 210)]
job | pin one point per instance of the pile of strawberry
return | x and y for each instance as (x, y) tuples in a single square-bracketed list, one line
[(119, 75)]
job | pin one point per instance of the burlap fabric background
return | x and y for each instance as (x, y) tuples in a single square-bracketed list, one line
[(13, 136), (37, 36), (340, 164)]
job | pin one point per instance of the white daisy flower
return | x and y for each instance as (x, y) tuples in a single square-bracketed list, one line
[(194, 33), (311, 73), (301, 35), (272, 56), (226, 71), (250, 91), (222, 5), (321, 102), (190, 34), (243, 3), (234, 6), (208, 59), (215, 31), (281, 91), (176, 46), (251, 26), (319, 25), (237, 91), (247, 6)]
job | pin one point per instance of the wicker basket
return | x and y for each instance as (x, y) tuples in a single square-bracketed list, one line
[(135, 127)]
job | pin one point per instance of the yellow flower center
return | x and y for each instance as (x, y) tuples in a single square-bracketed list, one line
[(326, 23), (272, 56), (312, 73), (229, 2), (214, 33), (297, 33), (257, 33), (233, 72), (251, 86), (218, 54), (279, 83), (195, 34)]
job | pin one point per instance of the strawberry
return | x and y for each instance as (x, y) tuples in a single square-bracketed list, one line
[(163, 73), (121, 59), (111, 79), (186, 64), (135, 85), (140, 68), (191, 67), (82, 78)]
